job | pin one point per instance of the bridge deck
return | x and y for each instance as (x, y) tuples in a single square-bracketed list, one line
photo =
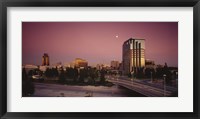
[(142, 88)]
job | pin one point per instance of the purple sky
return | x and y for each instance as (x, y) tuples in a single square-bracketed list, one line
[(96, 42)]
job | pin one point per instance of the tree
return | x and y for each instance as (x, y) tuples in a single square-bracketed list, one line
[(54, 72), (72, 73), (140, 73), (62, 77), (24, 75), (47, 72), (149, 72), (75, 74), (28, 87), (30, 73), (51, 72), (83, 74), (167, 73), (102, 76), (93, 74)]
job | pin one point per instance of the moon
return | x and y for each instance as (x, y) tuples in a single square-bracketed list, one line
[(116, 36)]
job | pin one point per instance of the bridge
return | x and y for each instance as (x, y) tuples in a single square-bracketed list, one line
[(143, 88)]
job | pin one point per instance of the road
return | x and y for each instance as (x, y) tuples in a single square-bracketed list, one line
[(142, 87)]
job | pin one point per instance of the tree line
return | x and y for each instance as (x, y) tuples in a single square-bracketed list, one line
[(78, 76), (157, 73), (75, 75)]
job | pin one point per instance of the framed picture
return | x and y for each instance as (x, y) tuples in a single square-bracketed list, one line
[(93, 59)]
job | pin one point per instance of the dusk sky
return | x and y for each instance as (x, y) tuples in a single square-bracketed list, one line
[(97, 42)]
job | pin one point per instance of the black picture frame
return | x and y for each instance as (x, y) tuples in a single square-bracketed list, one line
[(99, 3)]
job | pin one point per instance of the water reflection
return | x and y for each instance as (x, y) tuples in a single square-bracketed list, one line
[(54, 90)]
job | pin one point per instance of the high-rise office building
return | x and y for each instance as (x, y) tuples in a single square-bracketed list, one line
[(133, 56), (45, 60)]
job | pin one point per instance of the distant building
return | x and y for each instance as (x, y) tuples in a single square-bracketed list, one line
[(45, 60), (99, 66), (106, 66), (150, 64), (57, 65), (72, 64), (133, 56), (29, 67), (43, 68), (66, 65), (102, 66), (114, 64), (80, 63)]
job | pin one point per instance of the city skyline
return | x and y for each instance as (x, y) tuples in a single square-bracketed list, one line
[(97, 42)]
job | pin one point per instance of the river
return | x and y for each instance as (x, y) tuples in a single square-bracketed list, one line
[(56, 90)]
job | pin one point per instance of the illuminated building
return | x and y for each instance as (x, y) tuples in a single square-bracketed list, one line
[(133, 55), (45, 60), (80, 63)]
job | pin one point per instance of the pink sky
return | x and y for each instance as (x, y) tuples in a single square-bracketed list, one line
[(96, 42)]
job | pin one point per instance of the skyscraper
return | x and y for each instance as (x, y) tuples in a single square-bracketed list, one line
[(45, 60), (133, 56)]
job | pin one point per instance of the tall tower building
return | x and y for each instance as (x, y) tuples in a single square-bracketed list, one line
[(133, 56), (45, 60)]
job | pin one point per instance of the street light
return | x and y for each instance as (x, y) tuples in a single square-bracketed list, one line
[(132, 73), (132, 76), (164, 76), (176, 78), (151, 77), (117, 76)]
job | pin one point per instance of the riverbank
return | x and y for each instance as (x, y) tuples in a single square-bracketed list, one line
[(56, 90), (75, 83)]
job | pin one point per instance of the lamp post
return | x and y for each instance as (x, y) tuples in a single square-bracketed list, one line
[(117, 76), (132, 73), (151, 77), (176, 78), (132, 77), (164, 76)]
